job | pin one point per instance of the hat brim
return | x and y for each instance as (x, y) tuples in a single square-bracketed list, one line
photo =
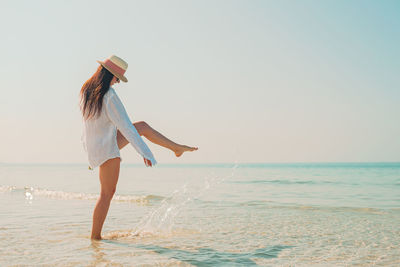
[(119, 76)]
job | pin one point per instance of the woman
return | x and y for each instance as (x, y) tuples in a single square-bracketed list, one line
[(107, 129)]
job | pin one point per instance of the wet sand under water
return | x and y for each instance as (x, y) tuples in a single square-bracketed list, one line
[(203, 216)]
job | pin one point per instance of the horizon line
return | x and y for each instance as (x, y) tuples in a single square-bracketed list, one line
[(209, 163)]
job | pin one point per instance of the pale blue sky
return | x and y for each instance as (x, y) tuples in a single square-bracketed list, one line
[(247, 81)]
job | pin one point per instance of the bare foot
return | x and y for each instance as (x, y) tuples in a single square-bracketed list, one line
[(182, 149)]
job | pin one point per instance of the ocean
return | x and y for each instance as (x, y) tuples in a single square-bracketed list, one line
[(301, 214)]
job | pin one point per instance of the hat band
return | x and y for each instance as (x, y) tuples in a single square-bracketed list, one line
[(114, 67)]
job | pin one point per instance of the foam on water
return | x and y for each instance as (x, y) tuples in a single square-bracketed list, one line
[(31, 192)]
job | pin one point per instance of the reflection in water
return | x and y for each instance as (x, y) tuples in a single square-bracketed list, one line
[(209, 256), (98, 254)]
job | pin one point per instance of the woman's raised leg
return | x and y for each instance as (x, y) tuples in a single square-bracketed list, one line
[(145, 130), (108, 175)]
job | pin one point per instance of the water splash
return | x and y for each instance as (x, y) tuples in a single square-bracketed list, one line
[(161, 220)]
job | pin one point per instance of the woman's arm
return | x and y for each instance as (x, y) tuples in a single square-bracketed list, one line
[(117, 114)]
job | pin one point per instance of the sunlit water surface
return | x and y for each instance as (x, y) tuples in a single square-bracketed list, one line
[(204, 215)]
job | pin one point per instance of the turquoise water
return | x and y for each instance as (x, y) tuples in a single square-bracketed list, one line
[(319, 214)]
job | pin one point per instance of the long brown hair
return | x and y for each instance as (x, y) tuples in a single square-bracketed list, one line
[(93, 91)]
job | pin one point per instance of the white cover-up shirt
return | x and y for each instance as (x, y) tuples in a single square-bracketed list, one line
[(99, 136)]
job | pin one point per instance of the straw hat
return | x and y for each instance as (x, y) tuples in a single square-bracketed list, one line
[(116, 66)]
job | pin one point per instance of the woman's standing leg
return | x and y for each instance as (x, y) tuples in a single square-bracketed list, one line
[(154, 136), (108, 174)]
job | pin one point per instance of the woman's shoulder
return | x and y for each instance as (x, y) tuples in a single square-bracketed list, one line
[(111, 92)]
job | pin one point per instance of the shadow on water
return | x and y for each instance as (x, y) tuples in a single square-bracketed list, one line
[(209, 256)]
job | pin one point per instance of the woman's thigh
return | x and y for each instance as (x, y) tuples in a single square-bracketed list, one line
[(121, 140), (109, 173)]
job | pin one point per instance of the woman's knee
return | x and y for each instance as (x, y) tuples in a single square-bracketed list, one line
[(142, 127), (107, 194)]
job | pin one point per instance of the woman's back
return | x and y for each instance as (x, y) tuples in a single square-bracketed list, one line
[(99, 135)]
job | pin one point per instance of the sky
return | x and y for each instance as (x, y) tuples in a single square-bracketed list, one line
[(245, 81)]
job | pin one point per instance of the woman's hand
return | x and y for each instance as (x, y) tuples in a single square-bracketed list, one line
[(147, 162)]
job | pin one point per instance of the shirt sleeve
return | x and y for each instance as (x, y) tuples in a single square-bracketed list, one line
[(117, 114)]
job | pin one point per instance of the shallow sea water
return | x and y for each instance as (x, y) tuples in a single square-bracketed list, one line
[(336, 214)]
